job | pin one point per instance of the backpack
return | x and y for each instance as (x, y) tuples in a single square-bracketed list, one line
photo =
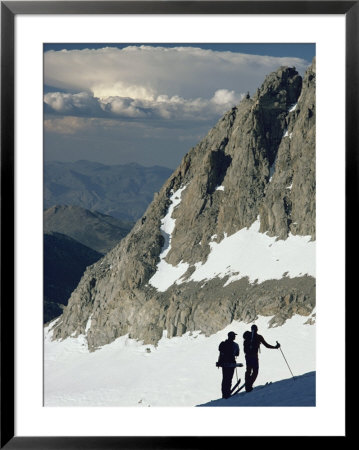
[(226, 352), (251, 346)]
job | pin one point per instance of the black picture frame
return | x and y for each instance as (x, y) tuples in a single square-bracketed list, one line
[(9, 9)]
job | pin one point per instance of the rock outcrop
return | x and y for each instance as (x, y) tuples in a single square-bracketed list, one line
[(257, 162)]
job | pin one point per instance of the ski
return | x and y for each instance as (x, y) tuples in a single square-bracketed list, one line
[(243, 385), (238, 390), (235, 386)]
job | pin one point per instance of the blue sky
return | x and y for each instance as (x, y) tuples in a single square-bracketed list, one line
[(148, 103)]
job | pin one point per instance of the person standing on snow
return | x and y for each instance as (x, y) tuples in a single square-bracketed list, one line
[(251, 343), (228, 351)]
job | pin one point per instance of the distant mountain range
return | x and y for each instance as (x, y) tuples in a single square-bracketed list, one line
[(95, 230), (121, 191)]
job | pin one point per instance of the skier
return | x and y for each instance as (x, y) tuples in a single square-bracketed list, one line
[(228, 351), (251, 344)]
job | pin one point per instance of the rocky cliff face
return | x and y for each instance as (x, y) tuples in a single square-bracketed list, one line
[(248, 185)]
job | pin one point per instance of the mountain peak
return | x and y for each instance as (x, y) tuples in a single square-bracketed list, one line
[(213, 225)]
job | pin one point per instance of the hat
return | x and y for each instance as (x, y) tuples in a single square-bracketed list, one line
[(231, 334)]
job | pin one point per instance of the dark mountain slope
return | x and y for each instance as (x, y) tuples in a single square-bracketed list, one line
[(91, 228), (65, 261)]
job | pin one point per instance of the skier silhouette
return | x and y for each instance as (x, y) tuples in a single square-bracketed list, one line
[(251, 343), (228, 350)]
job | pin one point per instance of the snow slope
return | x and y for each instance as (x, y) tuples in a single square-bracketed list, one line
[(178, 372), (236, 256), (297, 391)]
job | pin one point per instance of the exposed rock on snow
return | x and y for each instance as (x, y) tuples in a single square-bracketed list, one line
[(126, 294)]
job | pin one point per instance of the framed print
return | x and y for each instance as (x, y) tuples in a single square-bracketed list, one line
[(176, 182)]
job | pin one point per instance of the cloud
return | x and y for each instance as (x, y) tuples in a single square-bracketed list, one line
[(225, 97), (117, 141), (82, 103), (147, 82), (163, 107), (124, 107), (66, 125), (145, 103), (147, 72)]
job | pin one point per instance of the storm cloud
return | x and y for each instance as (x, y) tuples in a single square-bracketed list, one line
[(152, 89)]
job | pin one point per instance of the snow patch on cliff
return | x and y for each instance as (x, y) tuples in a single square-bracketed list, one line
[(166, 274), (249, 253)]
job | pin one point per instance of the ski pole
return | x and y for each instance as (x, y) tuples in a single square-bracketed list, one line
[(286, 362)]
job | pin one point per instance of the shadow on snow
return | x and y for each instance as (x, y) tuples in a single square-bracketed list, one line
[(290, 392)]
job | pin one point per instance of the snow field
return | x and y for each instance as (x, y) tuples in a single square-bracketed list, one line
[(178, 372), (236, 256)]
